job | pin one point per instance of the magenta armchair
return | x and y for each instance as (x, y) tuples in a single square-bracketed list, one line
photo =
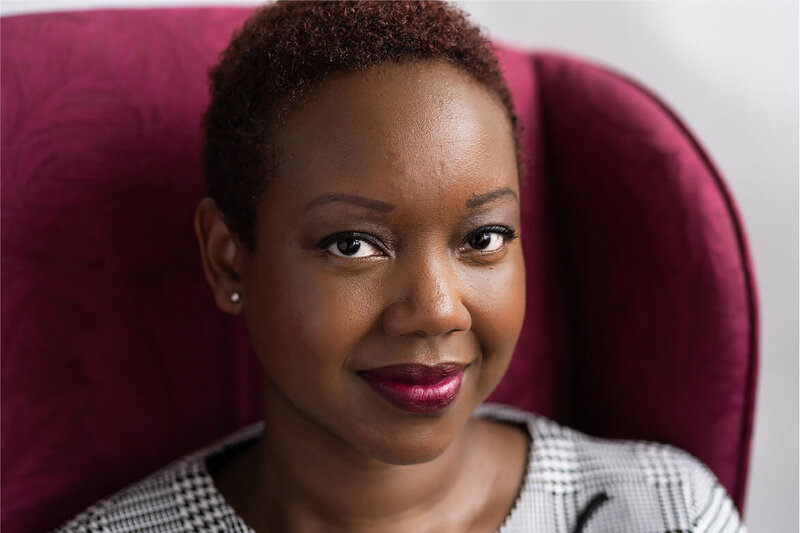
[(642, 309)]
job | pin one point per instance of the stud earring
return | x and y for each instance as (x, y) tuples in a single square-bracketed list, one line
[(235, 297)]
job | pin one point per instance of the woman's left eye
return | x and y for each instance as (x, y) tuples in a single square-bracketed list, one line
[(489, 239)]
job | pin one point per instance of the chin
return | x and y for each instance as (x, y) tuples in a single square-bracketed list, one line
[(409, 455), (421, 441)]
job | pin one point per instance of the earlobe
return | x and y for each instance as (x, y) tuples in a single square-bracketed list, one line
[(220, 253)]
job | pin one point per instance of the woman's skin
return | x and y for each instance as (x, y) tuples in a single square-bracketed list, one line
[(416, 158)]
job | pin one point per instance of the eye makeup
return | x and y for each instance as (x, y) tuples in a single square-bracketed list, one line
[(351, 238), (507, 232), (348, 242)]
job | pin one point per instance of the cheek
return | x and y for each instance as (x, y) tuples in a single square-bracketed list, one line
[(305, 322), (497, 302)]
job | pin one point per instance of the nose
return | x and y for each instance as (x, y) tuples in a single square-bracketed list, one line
[(428, 300)]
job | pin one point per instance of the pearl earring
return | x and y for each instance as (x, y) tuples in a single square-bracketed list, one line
[(235, 297)]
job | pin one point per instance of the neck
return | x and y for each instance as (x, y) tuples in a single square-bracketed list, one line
[(310, 479)]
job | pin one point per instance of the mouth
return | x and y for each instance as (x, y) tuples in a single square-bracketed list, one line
[(417, 388)]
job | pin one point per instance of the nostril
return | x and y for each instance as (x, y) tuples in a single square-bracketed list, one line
[(423, 333), (414, 318), (428, 300)]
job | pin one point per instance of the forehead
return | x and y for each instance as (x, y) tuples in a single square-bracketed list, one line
[(395, 129)]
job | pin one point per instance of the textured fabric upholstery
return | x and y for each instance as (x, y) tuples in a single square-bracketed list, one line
[(641, 300)]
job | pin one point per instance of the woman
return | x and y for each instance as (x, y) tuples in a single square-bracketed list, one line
[(363, 218)]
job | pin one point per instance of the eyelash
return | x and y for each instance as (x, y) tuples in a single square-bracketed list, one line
[(508, 234), (325, 243), (505, 231)]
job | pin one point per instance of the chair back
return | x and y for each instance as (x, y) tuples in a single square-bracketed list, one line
[(641, 319)]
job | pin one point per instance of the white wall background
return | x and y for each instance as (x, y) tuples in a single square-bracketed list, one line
[(730, 69)]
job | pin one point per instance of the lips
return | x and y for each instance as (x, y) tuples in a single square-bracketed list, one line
[(417, 388)]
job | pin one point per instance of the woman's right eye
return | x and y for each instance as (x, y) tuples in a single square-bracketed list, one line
[(351, 246)]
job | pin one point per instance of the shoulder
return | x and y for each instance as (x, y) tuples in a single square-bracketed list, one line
[(151, 503), (633, 483), (179, 497)]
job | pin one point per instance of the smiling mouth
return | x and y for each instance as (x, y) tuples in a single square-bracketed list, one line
[(417, 388)]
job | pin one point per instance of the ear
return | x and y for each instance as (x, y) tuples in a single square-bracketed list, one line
[(221, 253)]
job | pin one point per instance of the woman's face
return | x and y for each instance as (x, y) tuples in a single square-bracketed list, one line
[(385, 293)]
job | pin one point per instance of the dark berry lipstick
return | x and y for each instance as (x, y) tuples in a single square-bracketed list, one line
[(417, 388)]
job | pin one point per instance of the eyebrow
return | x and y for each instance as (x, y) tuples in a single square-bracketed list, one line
[(351, 199), (480, 199)]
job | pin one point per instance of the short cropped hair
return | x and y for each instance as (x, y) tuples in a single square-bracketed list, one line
[(285, 49)]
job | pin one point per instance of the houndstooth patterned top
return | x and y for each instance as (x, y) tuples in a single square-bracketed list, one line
[(574, 484)]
